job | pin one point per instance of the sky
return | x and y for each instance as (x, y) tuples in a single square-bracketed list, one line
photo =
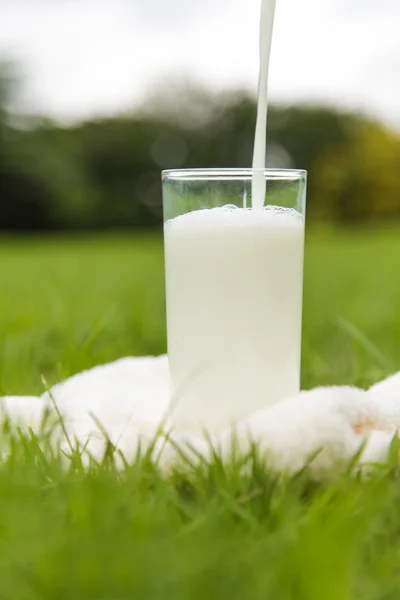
[(89, 57)]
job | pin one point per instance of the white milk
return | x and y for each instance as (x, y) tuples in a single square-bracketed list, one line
[(259, 153), (234, 297)]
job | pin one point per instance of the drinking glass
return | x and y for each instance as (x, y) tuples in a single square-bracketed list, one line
[(234, 279)]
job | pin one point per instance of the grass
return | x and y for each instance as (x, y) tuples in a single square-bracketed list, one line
[(218, 530)]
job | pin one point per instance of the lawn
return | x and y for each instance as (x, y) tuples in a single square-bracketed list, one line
[(219, 531)]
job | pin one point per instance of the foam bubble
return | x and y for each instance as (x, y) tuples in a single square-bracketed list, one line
[(234, 216)]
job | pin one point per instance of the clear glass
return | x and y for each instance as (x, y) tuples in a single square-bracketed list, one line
[(234, 279)]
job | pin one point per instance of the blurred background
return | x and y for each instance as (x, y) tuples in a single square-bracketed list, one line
[(96, 97)]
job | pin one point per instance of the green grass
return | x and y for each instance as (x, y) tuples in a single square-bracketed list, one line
[(232, 530)]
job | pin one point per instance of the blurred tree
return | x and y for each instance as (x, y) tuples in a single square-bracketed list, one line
[(118, 160), (106, 173), (360, 180), (25, 203)]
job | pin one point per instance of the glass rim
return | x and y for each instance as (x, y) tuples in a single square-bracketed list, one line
[(231, 173)]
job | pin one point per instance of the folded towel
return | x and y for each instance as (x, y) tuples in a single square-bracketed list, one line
[(130, 399)]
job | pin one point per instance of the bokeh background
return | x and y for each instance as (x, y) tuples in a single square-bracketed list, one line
[(96, 97)]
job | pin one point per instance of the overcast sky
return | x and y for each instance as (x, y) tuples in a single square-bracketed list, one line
[(83, 57)]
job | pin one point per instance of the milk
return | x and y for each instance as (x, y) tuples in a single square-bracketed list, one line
[(234, 297), (259, 153)]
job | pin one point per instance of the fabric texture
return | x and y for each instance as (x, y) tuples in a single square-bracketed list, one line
[(129, 400)]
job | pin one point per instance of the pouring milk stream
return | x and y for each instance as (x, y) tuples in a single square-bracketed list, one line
[(234, 290), (260, 138)]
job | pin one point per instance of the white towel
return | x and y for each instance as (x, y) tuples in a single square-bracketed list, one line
[(130, 398)]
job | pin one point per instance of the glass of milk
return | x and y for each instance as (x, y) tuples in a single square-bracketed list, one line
[(234, 279)]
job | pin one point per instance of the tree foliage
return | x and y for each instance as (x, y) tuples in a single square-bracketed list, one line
[(106, 173)]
